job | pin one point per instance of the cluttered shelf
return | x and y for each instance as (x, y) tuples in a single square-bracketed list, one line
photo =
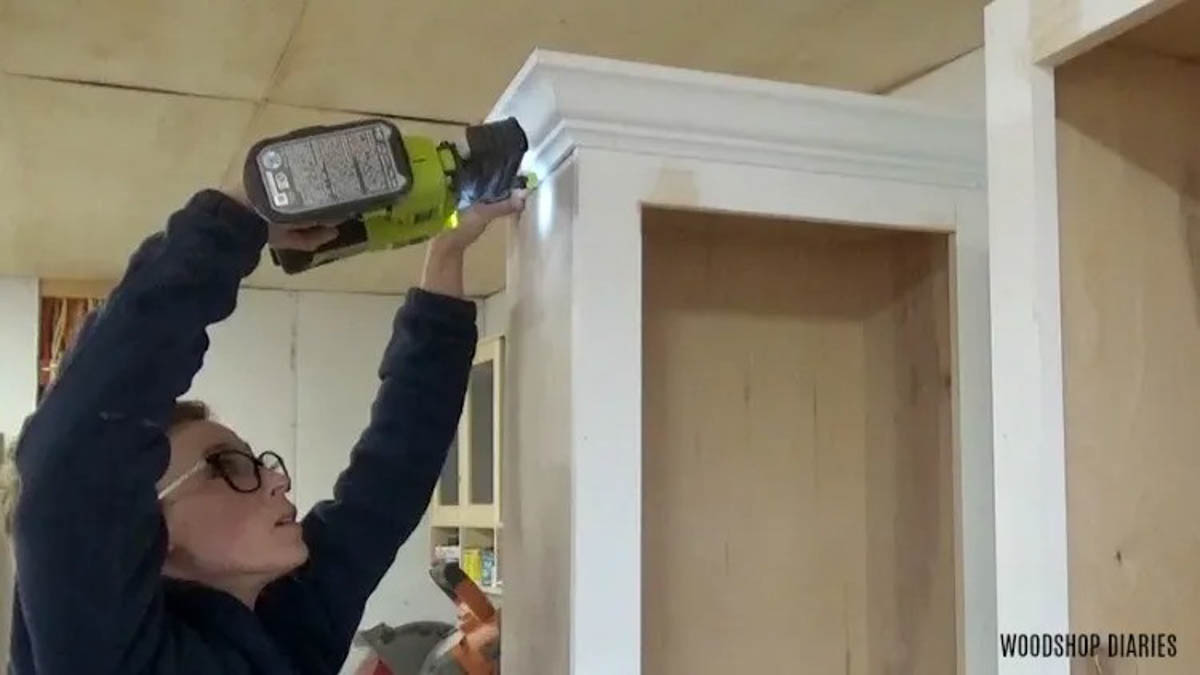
[(474, 549)]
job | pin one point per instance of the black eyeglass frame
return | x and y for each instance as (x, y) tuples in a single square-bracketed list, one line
[(213, 460)]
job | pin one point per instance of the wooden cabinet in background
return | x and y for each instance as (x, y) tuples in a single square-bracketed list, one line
[(1094, 182), (465, 511)]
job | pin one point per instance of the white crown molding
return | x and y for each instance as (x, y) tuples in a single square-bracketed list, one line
[(567, 101)]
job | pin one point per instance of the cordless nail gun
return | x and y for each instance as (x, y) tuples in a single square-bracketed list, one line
[(381, 188)]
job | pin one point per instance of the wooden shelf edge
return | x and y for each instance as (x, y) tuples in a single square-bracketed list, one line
[(75, 288)]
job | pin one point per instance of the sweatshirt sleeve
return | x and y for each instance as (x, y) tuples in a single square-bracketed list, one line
[(89, 537), (382, 495)]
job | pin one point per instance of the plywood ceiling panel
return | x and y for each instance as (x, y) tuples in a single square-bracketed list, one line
[(8, 178), (216, 47), (450, 61), (242, 70), (90, 171)]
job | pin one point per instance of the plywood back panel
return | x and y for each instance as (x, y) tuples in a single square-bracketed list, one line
[(1129, 185), (909, 457), (797, 464)]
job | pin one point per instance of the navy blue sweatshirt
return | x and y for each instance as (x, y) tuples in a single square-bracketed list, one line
[(90, 539)]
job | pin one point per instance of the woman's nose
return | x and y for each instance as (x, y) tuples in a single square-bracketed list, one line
[(276, 482)]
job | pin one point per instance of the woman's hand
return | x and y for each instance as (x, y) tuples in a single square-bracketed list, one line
[(443, 272), (294, 237), (300, 238), (474, 221)]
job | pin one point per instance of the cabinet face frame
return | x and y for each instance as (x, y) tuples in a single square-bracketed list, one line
[(632, 136), (1026, 40)]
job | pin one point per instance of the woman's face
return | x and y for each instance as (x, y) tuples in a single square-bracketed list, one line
[(217, 533)]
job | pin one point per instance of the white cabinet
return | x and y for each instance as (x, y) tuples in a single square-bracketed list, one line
[(748, 379)]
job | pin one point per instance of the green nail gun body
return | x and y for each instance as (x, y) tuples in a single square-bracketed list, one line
[(383, 189)]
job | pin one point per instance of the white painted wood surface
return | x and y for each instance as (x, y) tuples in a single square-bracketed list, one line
[(1027, 383), (648, 135)]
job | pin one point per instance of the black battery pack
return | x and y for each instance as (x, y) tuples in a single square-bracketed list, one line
[(327, 173)]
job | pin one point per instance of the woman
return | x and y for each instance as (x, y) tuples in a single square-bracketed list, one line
[(150, 539)]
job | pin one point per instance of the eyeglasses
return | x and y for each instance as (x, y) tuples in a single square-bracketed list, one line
[(241, 470)]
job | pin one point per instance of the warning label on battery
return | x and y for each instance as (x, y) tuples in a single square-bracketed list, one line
[(332, 168)]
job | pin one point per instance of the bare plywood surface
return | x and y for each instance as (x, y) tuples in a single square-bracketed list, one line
[(90, 171), (1129, 202), (1064, 29), (911, 575), (1174, 33), (536, 471), (217, 47), (798, 510), (451, 61), (444, 61)]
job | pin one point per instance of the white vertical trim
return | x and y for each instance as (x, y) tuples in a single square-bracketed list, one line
[(974, 512), (606, 398), (1030, 487)]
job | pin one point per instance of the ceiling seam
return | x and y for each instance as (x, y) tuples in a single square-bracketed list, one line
[(909, 79), (237, 99), (287, 47), (238, 158)]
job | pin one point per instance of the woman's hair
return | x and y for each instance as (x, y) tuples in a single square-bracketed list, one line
[(10, 480), (189, 411)]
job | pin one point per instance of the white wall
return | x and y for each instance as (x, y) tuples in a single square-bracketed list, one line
[(493, 314), (340, 339), (18, 394), (18, 352), (957, 85), (249, 376)]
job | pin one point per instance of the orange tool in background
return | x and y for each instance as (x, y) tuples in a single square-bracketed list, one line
[(436, 648)]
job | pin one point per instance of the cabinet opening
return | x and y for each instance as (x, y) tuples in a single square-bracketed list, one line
[(1128, 170), (798, 460)]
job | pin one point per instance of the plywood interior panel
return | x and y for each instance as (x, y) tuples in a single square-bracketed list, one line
[(909, 458), (536, 468), (798, 511), (1175, 32), (1129, 209)]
